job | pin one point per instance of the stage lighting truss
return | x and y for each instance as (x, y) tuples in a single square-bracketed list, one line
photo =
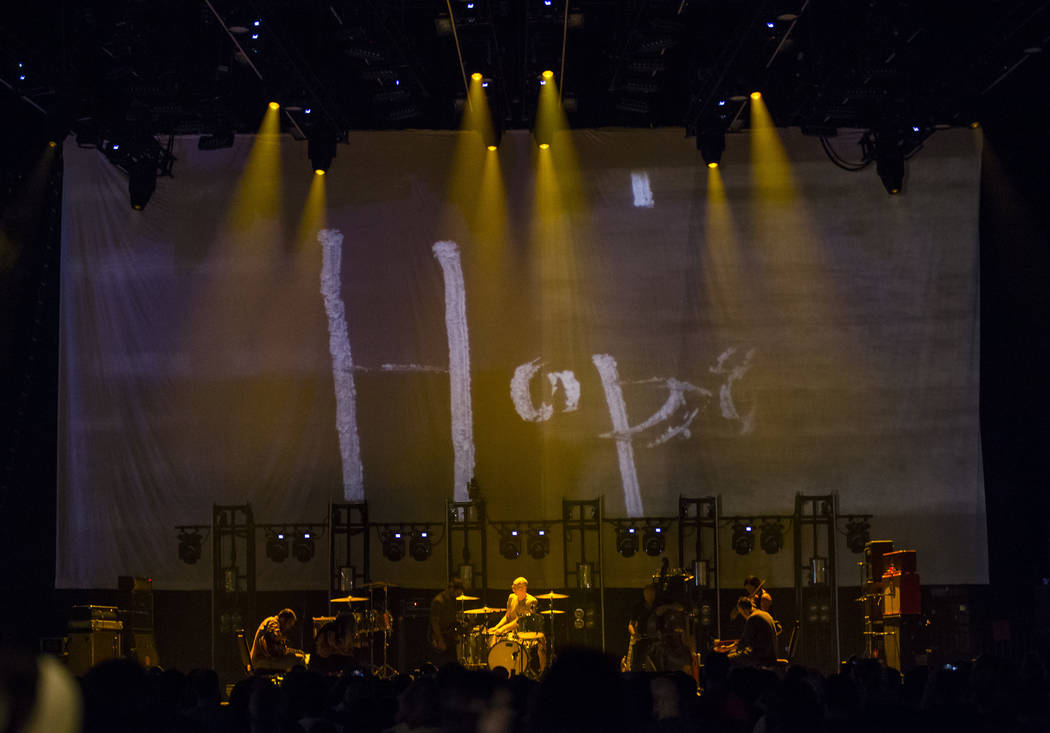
[(743, 538), (277, 545), (393, 541), (510, 543), (538, 543), (653, 541), (772, 538), (627, 541), (420, 546), (191, 543), (858, 533)]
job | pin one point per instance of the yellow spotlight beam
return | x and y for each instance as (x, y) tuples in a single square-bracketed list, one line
[(258, 191), (315, 214)]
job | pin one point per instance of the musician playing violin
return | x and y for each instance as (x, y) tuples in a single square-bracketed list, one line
[(754, 589)]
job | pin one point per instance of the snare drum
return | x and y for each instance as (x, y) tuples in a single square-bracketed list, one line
[(510, 655)]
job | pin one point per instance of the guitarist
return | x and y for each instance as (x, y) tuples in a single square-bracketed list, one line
[(444, 630)]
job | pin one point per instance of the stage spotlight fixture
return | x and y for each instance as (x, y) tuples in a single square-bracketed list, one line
[(321, 150), (492, 148), (857, 534), (277, 546), (274, 106), (142, 182), (772, 539), (545, 146), (476, 76), (393, 546), (510, 543), (743, 538), (627, 541), (756, 96), (889, 160), (547, 75), (711, 143), (190, 542), (539, 544), (419, 546), (653, 541), (303, 546)]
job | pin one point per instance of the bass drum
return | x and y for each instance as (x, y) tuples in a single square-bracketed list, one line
[(510, 655)]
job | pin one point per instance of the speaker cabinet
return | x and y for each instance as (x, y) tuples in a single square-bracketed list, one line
[(86, 649)]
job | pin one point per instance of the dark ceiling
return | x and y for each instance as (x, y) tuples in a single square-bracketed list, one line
[(125, 68)]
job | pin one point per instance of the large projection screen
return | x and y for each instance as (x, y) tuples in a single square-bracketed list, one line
[(609, 317)]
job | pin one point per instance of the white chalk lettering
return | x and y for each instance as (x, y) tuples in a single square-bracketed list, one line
[(342, 364), (447, 254)]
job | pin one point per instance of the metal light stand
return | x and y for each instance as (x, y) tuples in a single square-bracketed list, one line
[(465, 520), (700, 516), (347, 523), (233, 583), (816, 596), (585, 517)]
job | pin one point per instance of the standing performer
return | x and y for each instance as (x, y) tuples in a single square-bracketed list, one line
[(637, 627), (270, 648), (444, 632), (519, 603), (755, 589)]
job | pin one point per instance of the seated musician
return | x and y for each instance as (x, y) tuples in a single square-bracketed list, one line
[(270, 650), (520, 604), (757, 645)]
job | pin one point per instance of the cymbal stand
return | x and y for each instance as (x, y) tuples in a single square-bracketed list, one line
[(386, 671), (550, 640)]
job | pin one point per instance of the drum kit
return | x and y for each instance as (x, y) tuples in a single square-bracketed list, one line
[(352, 631), (525, 651)]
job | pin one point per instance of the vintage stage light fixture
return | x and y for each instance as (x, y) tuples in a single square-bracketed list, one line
[(510, 543), (857, 534), (321, 149), (190, 542), (419, 546), (277, 545), (538, 543), (142, 182), (393, 545), (711, 143), (653, 541), (772, 539), (743, 538), (303, 546), (627, 541)]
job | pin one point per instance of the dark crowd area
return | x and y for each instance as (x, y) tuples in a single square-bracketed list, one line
[(582, 691)]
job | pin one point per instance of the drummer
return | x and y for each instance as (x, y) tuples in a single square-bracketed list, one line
[(519, 603)]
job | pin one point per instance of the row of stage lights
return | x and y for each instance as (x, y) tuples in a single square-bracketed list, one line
[(281, 543)]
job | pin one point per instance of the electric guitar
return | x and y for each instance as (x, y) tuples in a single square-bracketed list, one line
[(625, 663)]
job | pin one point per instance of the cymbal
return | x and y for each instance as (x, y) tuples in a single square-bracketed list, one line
[(466, 598), (552, 595), (348, 599), (552, 611), (483, 609), (380, 584)]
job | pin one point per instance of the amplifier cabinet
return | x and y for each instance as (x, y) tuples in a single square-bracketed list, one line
[(86, 649)]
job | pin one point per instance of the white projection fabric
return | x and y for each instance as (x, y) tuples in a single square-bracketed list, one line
[(606, 318)]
